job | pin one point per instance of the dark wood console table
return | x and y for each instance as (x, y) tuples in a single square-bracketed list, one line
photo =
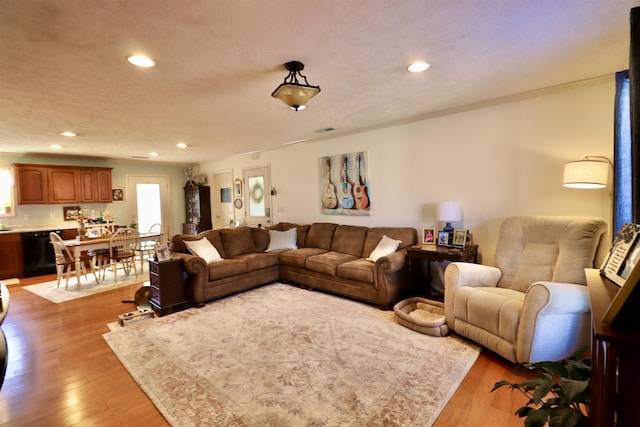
[(167, 286), (419, 280), (615, 356)]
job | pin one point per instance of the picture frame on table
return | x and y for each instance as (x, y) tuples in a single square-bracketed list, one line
[(162, 252), (460, 238), (443, 238), (428, 236), (622, 267)]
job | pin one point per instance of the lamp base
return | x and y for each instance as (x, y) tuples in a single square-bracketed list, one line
[(449, 228)]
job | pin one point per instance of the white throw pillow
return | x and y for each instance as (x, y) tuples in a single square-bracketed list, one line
[(385, 247), (282, 239), (204, 249)]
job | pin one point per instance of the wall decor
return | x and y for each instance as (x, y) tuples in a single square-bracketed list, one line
[(344, 184), (117, 194), (237, 188), (70, 213)]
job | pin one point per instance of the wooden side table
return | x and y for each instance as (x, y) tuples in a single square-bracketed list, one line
[(167, 286), (420, 280)]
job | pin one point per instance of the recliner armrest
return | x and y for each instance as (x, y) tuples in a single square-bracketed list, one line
[(459, 274)]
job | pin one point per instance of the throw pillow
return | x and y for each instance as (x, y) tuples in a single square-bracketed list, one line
[(203, 249), (385, 247), (282, 240)]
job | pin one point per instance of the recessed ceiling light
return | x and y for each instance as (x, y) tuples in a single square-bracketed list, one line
[(141, 61), (181, 145), (69, 134), (418, 67), (56, 146), (154, 154)]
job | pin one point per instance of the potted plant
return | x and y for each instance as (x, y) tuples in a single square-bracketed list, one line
[(559, 395)]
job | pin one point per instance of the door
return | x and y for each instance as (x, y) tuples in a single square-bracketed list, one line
[(223, 215), (150, 202), (257, 185)]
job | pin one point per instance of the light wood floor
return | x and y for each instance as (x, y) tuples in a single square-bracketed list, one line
[(61, 371)]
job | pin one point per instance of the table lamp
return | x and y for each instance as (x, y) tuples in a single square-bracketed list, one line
[(448, 212)]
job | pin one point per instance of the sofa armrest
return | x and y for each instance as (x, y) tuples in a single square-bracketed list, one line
[(197, 279), (392, 262), (390, 278), (554, 323)]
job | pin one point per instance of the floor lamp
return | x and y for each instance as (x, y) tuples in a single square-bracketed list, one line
[(592, 172)]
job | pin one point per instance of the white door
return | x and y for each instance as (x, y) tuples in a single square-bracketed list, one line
[(149, 201), (257, 199), (223, 215)]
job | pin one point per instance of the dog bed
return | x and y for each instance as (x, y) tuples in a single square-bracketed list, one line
[(422, 315)]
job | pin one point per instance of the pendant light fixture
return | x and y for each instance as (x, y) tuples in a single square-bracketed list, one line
[(292, 92)]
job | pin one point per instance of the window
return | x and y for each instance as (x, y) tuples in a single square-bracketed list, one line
[(7, 191), (622, 210)]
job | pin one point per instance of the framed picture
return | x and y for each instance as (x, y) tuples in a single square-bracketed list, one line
[(70, 213), (622, 267), (428, 236), (237, 188), (443, 238), (117, 194), (162, 252), (460, 238)]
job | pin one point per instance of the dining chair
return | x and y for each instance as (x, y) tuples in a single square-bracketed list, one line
[(122, 249), (66, 262), (148, 246)]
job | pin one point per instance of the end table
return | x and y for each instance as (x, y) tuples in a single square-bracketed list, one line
[(167, 286), (419, 281)]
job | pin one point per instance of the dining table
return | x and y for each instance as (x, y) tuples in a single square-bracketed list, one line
[(77, 246)]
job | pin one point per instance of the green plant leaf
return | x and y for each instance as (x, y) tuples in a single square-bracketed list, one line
[(563, 416), (540, 392), (572, 388), (537, 418)]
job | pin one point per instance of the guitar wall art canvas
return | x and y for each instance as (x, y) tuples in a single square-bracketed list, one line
[(344, 184)]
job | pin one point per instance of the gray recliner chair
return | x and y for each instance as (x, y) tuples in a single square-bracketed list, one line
[(533, 305)]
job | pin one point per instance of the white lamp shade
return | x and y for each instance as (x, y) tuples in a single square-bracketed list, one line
[(448, 211), (586, 174)]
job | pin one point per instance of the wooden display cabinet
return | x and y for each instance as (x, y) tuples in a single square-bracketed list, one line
[(167, 286)]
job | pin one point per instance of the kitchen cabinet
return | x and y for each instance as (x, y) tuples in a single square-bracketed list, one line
[(10, 255), (47, 184)]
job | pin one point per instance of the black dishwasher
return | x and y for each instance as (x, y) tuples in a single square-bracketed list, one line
[(37, 253)]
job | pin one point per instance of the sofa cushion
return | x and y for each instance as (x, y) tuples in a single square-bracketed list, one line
[(349, 239), (360, 270), (279, 240), (386, 246), (320, 235), (226, 268), (407, 235), (260, 238), (237, 241), (204, 249), (298, 257), (258, 260), (328, 263), (213, 236)]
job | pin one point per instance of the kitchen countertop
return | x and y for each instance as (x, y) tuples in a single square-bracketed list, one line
[(17, 229)]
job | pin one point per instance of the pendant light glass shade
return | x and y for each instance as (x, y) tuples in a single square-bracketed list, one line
[(292, 92), (586, 174)]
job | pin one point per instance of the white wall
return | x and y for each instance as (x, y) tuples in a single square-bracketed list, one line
[(497, 161)]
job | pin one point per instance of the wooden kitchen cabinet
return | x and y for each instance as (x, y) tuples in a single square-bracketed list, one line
[(63, 185), (10, 255), (32, 184), (41, 184)]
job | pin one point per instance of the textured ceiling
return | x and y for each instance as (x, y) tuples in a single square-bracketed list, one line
[(63, 67)]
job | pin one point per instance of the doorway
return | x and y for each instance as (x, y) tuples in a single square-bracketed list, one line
[(150, 201), (223, 215), (257, 183)]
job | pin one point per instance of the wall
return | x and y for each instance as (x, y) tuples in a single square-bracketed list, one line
[(51, 215), (497, 161)]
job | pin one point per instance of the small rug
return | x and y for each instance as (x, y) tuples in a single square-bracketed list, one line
[(283, 356), (88, 286)]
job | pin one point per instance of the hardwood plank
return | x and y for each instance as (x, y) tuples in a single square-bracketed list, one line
[(62, 372)]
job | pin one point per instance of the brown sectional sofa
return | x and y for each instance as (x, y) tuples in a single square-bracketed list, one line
[(330, 257)]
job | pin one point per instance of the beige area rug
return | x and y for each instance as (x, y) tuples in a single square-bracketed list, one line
[(50, 291), (283, 356)]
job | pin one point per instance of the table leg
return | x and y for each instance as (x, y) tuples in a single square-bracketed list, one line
[(76, 254)]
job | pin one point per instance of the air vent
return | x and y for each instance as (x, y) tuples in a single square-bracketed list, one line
[(325, 130), (139, 157)]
